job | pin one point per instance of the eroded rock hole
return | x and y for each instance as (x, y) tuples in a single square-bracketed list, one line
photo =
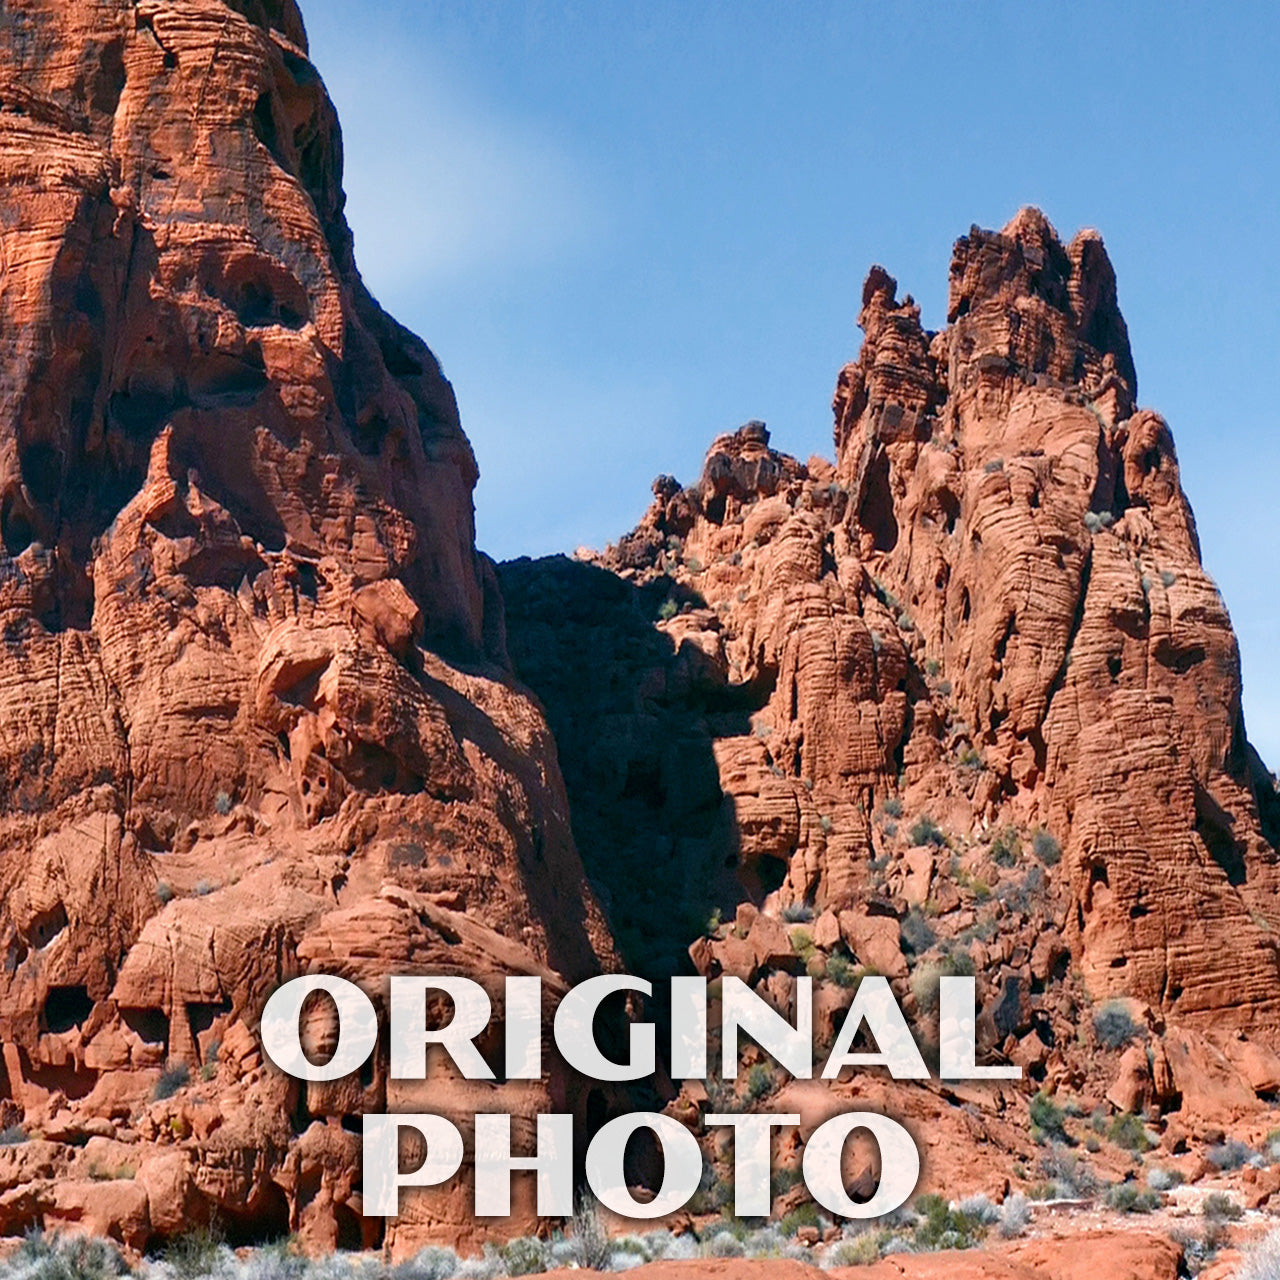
[(66, 1008), (45, 925), (41, 471), (72, 1081), (15, 526), (150, 1025), (875, 512), (264, 127), (107, 79), (221, 380), (350, 1227), (201, 1016), (264, 1219)]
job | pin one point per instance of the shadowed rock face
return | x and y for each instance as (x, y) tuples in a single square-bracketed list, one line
[(255, 710)]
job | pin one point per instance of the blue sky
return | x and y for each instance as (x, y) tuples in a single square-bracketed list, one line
[(625, 227)]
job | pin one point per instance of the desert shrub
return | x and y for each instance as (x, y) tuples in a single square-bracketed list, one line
[(980, 1208), (713, 1191), (932, 667), (57, 1257), (841, 970), (797, 913), (969, 758), (432, 1263), (488, 1266), (1162, 1179), (1048, 1120), (944, 688), (724, 1244), (194, 1253), (1199, 1246), (945, 1226), (1221, 1207), (524, 1256), (1168, 577), (589, 1236), (861, 1251), (759, 1082), (1113, 1026), (667, 610), (925, 831), (280, 1261), (177, 1075), (673, 1248), (1015, 1215), (802, 943), (163, 892), (769, 1242), (1228, 1155), (1021, 895), (222, 803), (917, 933), (893, 807), (13, 1135), (1128, 1132), (1262, 1260), (1071, 1177), (996, 464), (1271, 1147), (1127, 1197), (1006, 848), (890, 829), (803, 1215), (203, 888), (826, 824), (905, 623), (925, 977), (1046, 847)]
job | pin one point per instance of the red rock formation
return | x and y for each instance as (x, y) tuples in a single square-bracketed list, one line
[(1002, 566), (965, 700), (255, 713)]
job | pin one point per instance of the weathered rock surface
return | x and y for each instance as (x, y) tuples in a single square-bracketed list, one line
[(255, 709)]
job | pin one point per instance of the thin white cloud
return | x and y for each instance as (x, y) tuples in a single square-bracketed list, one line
[(440, 185)]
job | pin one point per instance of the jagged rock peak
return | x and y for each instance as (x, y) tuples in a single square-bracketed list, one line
[(1025, 260), (1023, 309)]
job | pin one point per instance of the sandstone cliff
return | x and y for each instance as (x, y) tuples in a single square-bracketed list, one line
[(255, 710), (964, 700)]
